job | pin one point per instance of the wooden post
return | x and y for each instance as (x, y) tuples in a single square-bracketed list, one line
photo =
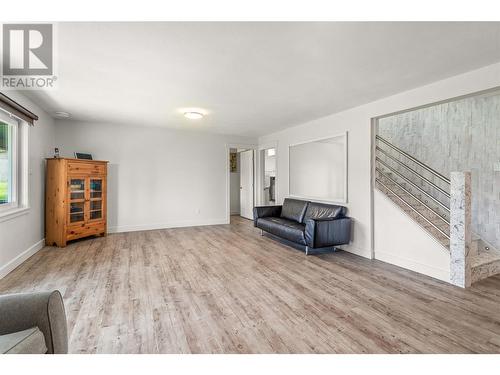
[(460, 229)]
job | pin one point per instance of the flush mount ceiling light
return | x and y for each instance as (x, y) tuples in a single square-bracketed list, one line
[(61, 114), (193, 115)]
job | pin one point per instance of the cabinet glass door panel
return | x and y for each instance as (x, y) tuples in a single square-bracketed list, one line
[(96, 204), (95, 188), (95, 209), (77, 189), (76, 212)]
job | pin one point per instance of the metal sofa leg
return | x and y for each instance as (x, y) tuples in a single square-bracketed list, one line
[(261, 232), (307, 250)]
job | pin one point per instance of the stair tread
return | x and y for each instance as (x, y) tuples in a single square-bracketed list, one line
[(485, 257), (485, 264), (428, 214), (415, 203)]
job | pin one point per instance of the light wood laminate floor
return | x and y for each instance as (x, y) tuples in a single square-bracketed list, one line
[(226, 289)]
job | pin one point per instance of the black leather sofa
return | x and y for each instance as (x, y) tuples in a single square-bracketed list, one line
[(305, 225)]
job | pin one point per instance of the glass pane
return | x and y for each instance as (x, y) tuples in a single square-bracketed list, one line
[(95, 205), (95, 188), (77, 188), (5, 163), (76, 212), (95, 210)]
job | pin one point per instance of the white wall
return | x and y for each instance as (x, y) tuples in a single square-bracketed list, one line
[(158, 178), (399, 246), (357, 121), (22, 236)]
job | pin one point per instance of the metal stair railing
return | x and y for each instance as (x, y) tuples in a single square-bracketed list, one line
[(385, 180), (413, 196), (413, 209), (406, 179), (414, 172), (416, 161)]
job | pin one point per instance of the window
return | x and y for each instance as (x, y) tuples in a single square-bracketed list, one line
[(13, 171), (6, 162)]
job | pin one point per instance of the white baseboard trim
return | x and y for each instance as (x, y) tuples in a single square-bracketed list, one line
[(356, 251), (14, 263), (179, 224), (437, 273)]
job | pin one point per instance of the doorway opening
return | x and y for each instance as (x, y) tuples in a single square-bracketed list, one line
[(268, 176), (241, 182)]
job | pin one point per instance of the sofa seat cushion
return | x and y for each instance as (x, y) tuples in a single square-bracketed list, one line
[(287, 229), (323, 211), (294, 209), (29, 341)]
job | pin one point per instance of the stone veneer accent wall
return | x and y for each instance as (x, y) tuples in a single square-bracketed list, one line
[(463, 135)]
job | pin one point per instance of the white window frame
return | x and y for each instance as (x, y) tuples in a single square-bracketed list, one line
[(338, 200), (19, 194)]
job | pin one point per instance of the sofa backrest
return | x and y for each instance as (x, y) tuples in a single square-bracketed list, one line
[(294, 209), (323, 211)]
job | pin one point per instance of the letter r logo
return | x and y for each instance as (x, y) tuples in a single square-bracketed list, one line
[(27, 49)]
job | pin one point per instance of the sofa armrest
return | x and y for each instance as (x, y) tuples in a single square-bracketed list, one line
[(328, 232), (43, 310), (265, 211)]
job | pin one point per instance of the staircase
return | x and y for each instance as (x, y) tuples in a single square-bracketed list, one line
[(424, 195), (485, 259)]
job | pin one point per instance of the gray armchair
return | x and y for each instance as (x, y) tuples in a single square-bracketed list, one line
[(33, 323)]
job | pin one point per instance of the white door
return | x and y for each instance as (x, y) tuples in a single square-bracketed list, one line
[(246, 184)]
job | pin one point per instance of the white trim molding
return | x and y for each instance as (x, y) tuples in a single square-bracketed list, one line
[(414, 266), (17, 261), (13, 213), (169, 225), (335, 200)]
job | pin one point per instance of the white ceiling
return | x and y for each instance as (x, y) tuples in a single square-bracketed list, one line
[(252, 78)]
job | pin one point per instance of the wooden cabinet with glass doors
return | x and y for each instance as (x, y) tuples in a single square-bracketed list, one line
[(75, 200)]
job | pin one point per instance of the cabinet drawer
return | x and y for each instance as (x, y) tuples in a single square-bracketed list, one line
[(83, 230), (78, 168)]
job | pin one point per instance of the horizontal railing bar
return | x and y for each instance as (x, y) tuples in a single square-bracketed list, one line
[(426, 167), (414, 197), (413, 171), (413, 184), (410, 207)]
